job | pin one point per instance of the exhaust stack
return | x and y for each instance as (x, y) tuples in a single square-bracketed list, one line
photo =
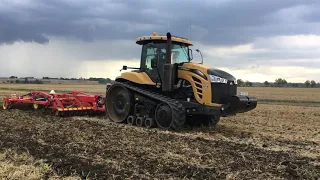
[(168, 50), (169, 70)]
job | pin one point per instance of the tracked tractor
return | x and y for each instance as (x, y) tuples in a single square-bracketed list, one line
[(169, 90)]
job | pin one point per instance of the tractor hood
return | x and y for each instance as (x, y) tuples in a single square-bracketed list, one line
[(212, 72), (220, 73)]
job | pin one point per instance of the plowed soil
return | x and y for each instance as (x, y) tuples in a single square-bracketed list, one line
[(272, 142)]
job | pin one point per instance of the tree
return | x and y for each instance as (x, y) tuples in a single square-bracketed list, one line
[(108, 80), (37, 81), (313, 83), (307, 83), (266, 83), (240, 82), (248, 83), (280, 82)]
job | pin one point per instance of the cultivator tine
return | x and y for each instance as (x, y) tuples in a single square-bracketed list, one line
[(57, 113)]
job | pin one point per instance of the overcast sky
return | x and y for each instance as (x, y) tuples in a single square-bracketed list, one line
[(253, 40)]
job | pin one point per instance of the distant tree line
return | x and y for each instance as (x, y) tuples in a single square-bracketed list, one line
[(283, 83), (240, 82), (25, 81), (62, 78), (280, 82), (32, 80), (100, 80)]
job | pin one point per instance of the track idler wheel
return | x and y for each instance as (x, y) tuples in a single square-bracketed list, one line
[(119, 103), (164, 116), (140, 121), (131, 120), (150, 123)]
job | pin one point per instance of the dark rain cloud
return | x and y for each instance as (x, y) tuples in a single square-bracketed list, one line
[(223, 22)]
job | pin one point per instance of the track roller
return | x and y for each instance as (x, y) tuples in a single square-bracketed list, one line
[(131, 120), (140, 121), (150, 123)]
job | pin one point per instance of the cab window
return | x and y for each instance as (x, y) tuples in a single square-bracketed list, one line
[(179, 53)]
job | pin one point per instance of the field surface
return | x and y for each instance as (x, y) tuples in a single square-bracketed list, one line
[(284, 94), (271, 142)]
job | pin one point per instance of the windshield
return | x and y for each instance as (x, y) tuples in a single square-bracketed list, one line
[(155, 53), (153, 57), (179, 53)]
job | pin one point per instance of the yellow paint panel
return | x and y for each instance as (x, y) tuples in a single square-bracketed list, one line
[(140, 40), (200, 67), (214, 105), (206, 92), (137, 77), (206, 85), (199, 89), (73, 109)]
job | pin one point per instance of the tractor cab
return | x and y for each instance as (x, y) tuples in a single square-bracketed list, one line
[(154, 54)]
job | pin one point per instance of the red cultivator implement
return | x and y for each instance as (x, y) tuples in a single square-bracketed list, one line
[(59, 104)]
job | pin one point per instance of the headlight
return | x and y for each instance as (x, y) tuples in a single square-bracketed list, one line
[(217, 79)]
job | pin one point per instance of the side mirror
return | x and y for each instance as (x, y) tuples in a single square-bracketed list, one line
[(124, 68), (200, 55), (153, 63), (190, 54)]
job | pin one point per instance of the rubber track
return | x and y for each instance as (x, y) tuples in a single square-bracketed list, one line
[(178, 111)]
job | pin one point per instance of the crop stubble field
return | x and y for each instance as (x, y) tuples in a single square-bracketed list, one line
[(271, 142)]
